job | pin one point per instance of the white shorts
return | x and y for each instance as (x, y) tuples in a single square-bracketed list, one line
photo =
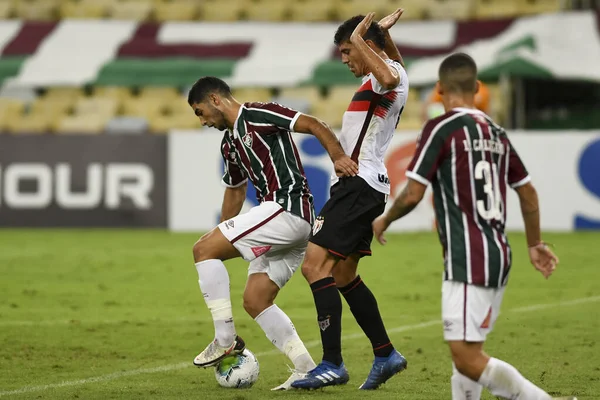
[(272, 239), (469, 312)]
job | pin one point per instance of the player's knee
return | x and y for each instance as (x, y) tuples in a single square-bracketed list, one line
[(467, 361), (255, 305), (201, 250)]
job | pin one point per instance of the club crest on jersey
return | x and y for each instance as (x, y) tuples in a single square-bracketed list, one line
[(318, 225), (248, 139)]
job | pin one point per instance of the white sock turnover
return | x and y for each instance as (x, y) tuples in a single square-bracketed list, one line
[(503, 380), (281, 332), (214, 284)]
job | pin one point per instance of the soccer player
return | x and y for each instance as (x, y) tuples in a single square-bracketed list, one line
[(257, 146), (470, 163), (342, 232)]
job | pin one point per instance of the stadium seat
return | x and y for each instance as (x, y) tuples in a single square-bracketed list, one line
[(345, 9), (331, 112), (176, 11), (342, 93), (312, 10), (32, 123), (84, 124), (222, 10), (96, 106), (6, 9), (131, 10), (267, 10), (85, 8), (144, 107), (160, 92), (490, 9), (9, 109), (63, 92), (165, 123), (251, 94), (37, 9), (449, 9), (119, 93), (528, 7)]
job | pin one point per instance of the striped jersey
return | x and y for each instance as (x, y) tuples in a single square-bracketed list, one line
[(369, 124), (260, 148), (470, 163)]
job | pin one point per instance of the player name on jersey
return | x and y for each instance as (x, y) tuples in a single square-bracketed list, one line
[(484, 145)]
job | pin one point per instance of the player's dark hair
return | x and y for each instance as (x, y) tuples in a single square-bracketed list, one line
[(458, 73), (374, 33), (206, 85)]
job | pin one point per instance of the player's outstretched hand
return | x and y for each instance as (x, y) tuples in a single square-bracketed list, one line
[(344, 166), (379, 227), (543, 259), (362, 27), (388, 21)]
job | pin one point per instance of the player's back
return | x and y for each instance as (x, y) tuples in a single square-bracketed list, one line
[(470, 163)]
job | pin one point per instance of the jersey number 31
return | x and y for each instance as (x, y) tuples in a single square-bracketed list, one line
[(490, 208)]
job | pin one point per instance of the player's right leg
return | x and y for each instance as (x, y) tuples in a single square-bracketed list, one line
[(363, 305), (469, 313), (209, 253)]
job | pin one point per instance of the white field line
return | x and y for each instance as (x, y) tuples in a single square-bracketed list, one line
[(314, 343)]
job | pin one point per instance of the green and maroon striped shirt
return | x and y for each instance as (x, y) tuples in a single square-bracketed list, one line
[(470, 163), (260, 148)]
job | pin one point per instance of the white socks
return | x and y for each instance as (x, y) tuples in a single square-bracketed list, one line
[(464, 388), (214, 284), (503, 380), (281, 332)]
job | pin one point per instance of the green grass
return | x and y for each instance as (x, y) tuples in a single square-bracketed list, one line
[(113, 307)]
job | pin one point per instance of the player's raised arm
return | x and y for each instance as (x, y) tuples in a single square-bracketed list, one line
[(343, 164), (385, 74), (390, 47)]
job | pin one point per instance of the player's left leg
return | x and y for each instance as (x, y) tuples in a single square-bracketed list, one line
[(268, 275), (209, 253), (469, 313), (363, 305)]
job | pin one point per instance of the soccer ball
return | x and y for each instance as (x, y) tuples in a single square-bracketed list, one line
[(238, 371)]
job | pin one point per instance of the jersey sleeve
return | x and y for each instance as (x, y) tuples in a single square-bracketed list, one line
[(378, 88), (233, 175), (272, 114), (517, 173), (428, 155)]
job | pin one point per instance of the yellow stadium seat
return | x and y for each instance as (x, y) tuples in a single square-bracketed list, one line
[(223, 10), (413, 9), (119, 93), (345, 9), (331, 112), (267, 10), (312, 10), (96, 106), (142, 107), (176, 11), (9, 108), (32, 123), (131, 10), (179, 105), (85, 8), (252, 94), (161, 92), (37, 9), (410, 123), (85, 124), (485, 9), (308, 93), (528, 7), (342, 93), (6, 9), (66, 92), (165, 123), (449, 9)]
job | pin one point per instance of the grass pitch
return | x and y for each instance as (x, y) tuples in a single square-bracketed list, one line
[(106, 314)]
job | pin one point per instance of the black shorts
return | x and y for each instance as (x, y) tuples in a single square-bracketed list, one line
[(344, 224)]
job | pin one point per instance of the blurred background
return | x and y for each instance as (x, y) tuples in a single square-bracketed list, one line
[(117, 72)]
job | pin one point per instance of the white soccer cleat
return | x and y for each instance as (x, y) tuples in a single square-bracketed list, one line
[(213, 353), (287, 385)]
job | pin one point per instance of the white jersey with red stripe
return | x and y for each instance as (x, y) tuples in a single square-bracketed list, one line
[(369, 124)]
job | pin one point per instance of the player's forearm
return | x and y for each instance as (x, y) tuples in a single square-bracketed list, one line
[(391, 50), (327, 138), (531, 213), (233, 201), (403, 205), (386, 76)]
